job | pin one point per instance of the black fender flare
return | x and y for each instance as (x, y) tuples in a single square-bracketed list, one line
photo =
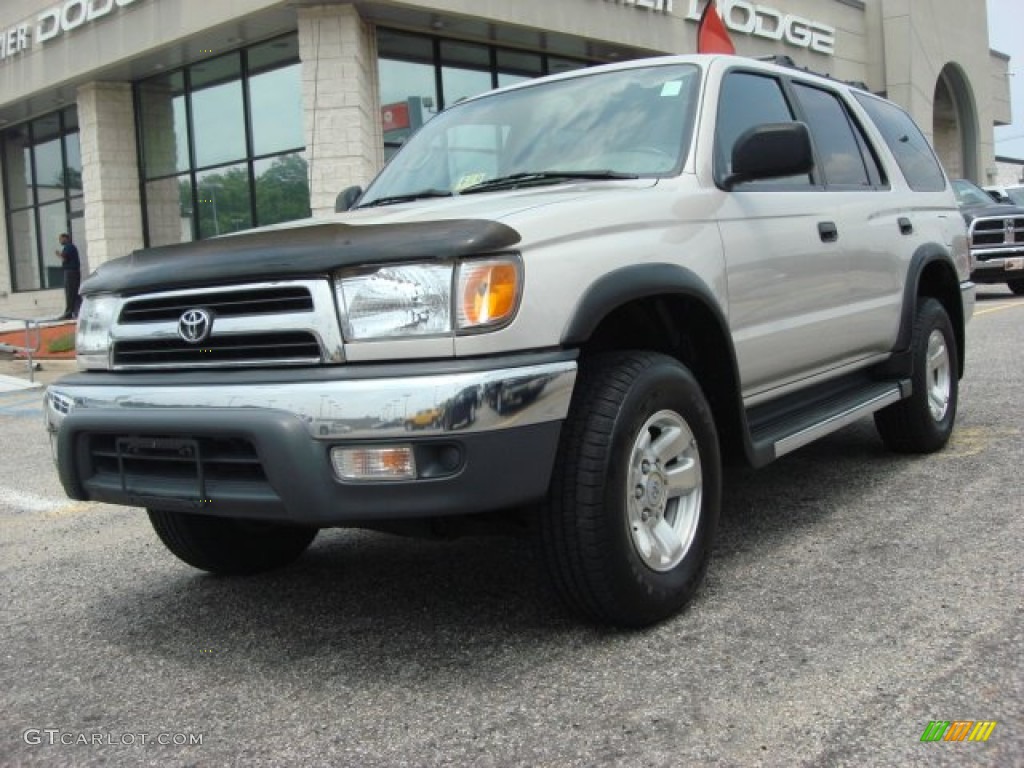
[(639, 281), (926, 255)]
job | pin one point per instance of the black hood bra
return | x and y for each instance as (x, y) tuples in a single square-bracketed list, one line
[(295, 252)]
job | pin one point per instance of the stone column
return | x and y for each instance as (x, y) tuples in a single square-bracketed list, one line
[(341, 101), (110, 171)]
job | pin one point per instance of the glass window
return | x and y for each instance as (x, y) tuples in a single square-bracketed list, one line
[(408, 98), (283, 50), (838, 151), (517, 65), (747, 100), (401, 45), (24, 250), (218, 123), (913, 153), (43, 181), (223, 200), (53, 219), (164, 125), (18, 168), (275, 103), (169, 210), (49, 171), (465, 71), (218, 186), (73, 165), (282, 188), (410, 67), (558, 65)]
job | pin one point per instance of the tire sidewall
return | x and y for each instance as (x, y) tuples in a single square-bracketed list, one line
[(665, 385), (934, 318)]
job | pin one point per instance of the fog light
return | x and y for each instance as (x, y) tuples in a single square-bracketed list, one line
[(381, 462)]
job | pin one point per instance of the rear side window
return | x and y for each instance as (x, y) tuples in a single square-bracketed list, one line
[(913, 153), (842, 151), (748, 100)]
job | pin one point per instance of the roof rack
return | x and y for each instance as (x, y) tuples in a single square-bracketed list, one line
[(783, 60)]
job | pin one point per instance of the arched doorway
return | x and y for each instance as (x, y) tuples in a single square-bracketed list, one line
[(955, 124)]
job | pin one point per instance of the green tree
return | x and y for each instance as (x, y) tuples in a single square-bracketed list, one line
[(282, 191)]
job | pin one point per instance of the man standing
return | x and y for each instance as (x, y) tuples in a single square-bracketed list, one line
[(72, 270)]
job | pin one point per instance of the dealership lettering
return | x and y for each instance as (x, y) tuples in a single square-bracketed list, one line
[(758, 21), (61, 18)]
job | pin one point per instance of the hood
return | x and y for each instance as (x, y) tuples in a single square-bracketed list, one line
[(424, 229), (972, 212)]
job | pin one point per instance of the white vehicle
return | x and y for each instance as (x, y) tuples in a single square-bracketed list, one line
[(585, 292)]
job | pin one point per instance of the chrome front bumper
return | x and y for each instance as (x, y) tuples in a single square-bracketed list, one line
[(258, 445), (354, 409)]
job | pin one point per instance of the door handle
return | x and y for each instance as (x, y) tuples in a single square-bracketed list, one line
[(827, 231), (906, 226)]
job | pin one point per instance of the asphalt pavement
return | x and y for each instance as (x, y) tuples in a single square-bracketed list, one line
[(854, 597)]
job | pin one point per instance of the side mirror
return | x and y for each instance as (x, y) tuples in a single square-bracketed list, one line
[(770, 151), (347, 198)]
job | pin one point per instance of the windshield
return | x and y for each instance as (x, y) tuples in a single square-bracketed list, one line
[(970, 194), (623, 123)]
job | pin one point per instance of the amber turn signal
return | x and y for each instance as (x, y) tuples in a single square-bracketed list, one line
[(488, 291)]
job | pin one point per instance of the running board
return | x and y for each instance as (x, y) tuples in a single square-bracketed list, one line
[(782, 427)]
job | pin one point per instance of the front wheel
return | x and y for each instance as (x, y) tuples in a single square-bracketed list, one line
[(1016, 286), (923, 422), (228, 546), (636, 491)]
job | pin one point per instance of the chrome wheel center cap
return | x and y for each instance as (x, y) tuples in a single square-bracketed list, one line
[(655, 491)]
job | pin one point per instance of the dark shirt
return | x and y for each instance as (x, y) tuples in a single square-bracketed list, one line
[(69, 257)]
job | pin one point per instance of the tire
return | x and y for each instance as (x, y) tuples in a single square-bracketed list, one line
[(923, 422), (1016, 286), (228, 546), (621, 545)]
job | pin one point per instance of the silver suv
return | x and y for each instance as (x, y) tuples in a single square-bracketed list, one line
[(558, 309)]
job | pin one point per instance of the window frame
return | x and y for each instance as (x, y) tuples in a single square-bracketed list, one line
[(194, 172), (67, 126), (875, 168)]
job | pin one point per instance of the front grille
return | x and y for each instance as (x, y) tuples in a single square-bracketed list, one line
[(190, 467), (244, 348), (994, 233), (228, 303)]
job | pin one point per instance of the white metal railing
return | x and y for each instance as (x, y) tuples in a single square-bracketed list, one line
[(33, 339)]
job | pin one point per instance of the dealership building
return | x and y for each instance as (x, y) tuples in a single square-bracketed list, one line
[(134, 123)]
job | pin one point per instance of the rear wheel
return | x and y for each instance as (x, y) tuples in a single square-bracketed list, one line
[(229, 546), (923, 422), (1017, 286), (635, 495)]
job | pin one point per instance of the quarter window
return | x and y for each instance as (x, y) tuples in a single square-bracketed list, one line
[(908, 145)]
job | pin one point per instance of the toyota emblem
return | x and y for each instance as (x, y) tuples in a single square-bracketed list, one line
[(194, 325)]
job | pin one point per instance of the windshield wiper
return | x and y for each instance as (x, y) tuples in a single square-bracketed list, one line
[(394, 199), (541, 177)]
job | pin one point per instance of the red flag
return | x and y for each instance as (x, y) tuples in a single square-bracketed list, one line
[(712, 36)]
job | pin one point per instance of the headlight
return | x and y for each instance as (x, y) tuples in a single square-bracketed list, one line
[(428, 299), (92, 342), (407, 300)]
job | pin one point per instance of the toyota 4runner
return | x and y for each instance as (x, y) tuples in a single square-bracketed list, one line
[(599, 285)]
